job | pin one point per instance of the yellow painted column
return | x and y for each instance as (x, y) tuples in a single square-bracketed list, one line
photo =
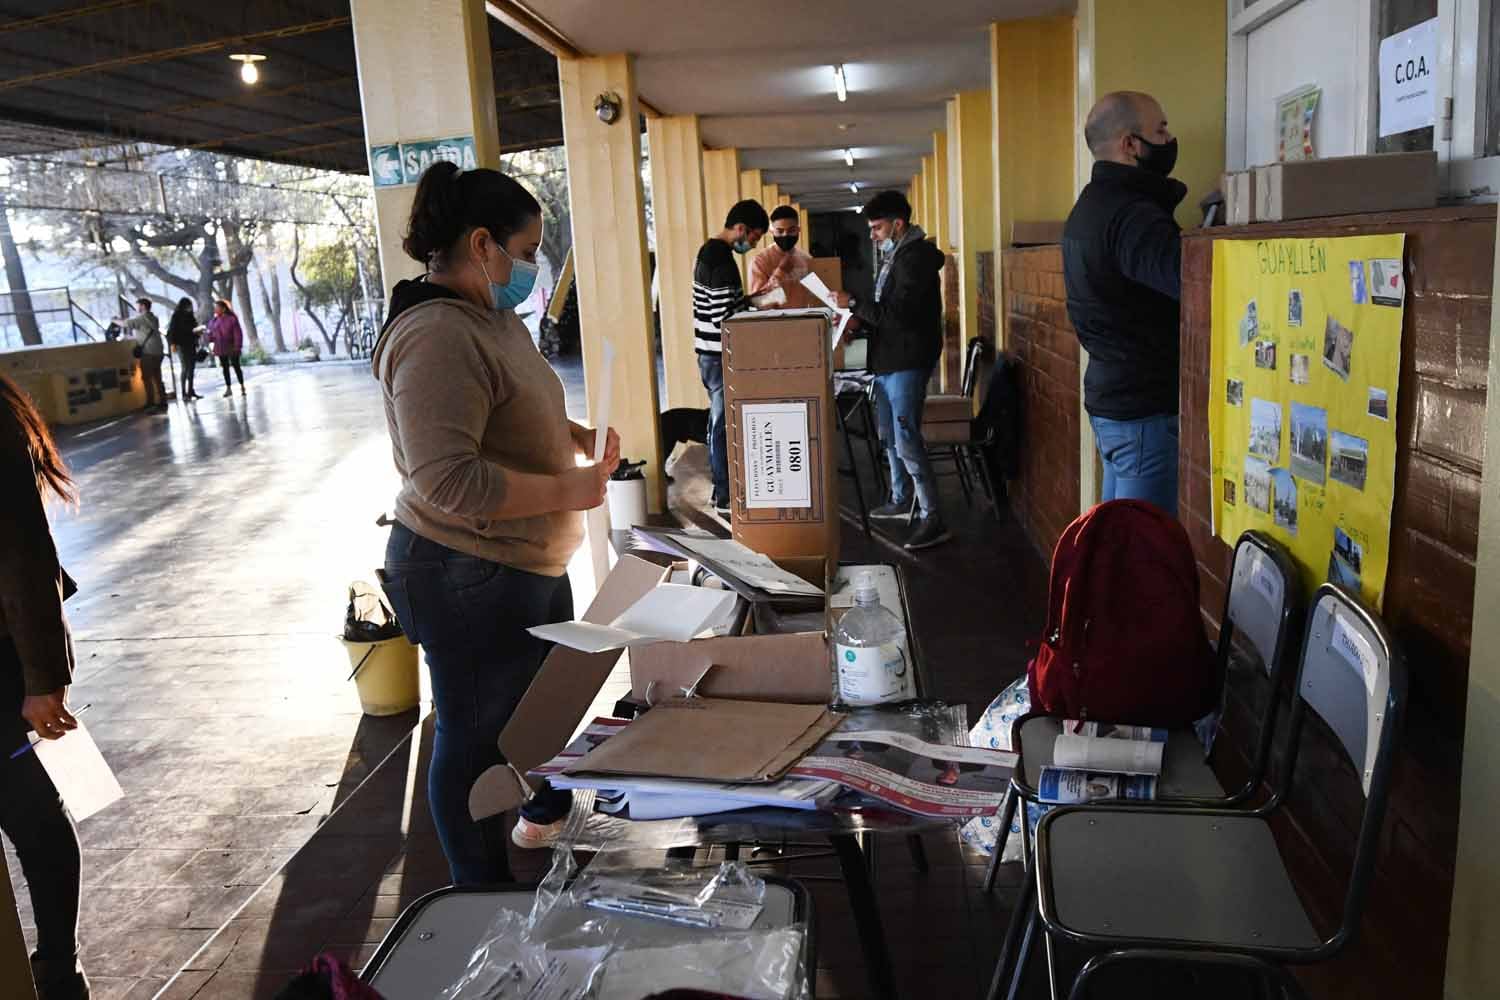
[(609, 251), (975, 200), (721, 187), (436, 83), (751, 185), (784, 199), (938, 229), (677, 206), (770, 197), (806, 228), (1032, 130)]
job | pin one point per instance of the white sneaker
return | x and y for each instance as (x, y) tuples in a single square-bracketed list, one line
[(536, 836)]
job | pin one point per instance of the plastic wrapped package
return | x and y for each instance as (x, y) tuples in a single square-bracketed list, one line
[(993, 730), (619, 931)]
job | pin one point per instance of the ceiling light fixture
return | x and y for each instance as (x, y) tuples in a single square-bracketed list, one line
[(838, 82), (249, 72), (854, 187), (849, 158)]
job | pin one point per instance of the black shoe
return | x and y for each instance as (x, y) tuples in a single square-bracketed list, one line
[(930, 531), (59, 980), (893, 510), (721, 509)]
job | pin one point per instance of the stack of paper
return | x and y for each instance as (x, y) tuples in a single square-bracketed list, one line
[(751, 574), (669, 612), (815, 284)]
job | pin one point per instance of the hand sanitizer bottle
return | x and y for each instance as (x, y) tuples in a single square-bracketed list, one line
[(871, 666)]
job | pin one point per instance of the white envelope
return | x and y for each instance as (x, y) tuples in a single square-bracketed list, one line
[(80, 772), (668, 612)]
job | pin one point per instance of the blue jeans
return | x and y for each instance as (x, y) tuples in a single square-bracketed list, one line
[(1139, 458), (899, 397), (470, 617), (711, 370)]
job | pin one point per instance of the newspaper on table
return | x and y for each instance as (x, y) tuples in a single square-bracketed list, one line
[(927, 779), (646, 798)]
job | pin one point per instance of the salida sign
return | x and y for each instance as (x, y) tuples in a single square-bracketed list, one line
[(395, 164), (1409, 79)]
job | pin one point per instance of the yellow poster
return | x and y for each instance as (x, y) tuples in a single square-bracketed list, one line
[(1306, 354)]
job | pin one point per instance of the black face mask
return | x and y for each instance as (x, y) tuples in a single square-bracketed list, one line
[(786, 243), (1160, 158)]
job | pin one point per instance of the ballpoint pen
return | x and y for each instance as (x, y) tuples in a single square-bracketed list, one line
[(30, 743)]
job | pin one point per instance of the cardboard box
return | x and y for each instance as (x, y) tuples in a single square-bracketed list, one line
[(1239, 198), (783, 464), (793, 668), (1035, 234), (1346, 185)]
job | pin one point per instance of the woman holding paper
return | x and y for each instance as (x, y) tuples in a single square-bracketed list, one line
[(36, 667), (488, 513)]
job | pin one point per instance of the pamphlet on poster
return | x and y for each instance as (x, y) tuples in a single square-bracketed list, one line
[(1304, 368)]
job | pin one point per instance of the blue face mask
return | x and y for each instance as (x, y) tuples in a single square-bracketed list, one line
[(741, 246), (887, 245), (515, 291)]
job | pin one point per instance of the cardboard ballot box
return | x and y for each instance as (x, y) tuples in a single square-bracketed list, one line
[(1345, 185), (793, 668), (778, 402)]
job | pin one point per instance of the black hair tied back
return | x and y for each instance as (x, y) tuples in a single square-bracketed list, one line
[(449, 202)]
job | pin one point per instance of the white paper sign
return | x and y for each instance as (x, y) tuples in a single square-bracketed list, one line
[(777, 472), (1409, 79), (79, 771), (1353, 647)]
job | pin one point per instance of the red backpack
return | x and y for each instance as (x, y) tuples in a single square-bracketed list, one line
[(1124, 639)]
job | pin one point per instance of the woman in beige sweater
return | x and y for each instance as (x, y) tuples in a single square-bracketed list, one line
[(488, 513)]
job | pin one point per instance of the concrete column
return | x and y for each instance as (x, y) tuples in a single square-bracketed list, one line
[(938, 228), (770, 197), (1474, 923), (806, 228), (974, 198), (784, 199), (436, 83), (721, 186), (609, 252), (677, 202), (751, 185)]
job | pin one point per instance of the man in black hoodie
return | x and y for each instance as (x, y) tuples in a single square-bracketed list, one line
[(904, 321), (1122, 265)]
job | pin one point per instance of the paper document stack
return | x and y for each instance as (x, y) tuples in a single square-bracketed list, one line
[(749, 573), (1096, 760)]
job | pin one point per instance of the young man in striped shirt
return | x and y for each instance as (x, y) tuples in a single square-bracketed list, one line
[(717, 294)]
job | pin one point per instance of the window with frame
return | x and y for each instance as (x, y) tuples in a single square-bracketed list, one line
[(1393, 17)]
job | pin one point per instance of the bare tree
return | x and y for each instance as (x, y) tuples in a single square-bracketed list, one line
[(15, 280)]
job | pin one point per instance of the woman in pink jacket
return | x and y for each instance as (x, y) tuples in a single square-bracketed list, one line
[(227, 340)]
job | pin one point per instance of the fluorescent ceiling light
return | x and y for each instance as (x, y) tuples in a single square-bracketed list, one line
[(848, 157), (838, 82)]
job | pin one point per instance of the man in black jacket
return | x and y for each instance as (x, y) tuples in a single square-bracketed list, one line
[(904, 321), (1122, 264), (718, 294)]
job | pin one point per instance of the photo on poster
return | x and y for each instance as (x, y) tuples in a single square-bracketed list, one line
[(1345, 561), (1234, 391), (1300, 368), (1258, 484), (1349, 459), (1229, 492), (1284, 500), (1265, 429), (1294, 307), (1357, 282), (1249, 324), (1338, 347), (1265, 354), (1379, 406), (1309, 442), (1387, 283)]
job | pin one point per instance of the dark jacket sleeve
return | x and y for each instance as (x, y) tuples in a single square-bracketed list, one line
[(1148, 248), (31, 589), (903, 297)]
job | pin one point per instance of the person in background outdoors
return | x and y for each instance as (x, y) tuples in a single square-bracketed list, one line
[(782, 265), (488, 513), (227, 340), (717, 294), (904, 323), (182, 337), (36, 667), (146, 330), (1122, 268)]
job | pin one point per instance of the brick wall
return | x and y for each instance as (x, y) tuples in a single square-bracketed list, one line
[(984, 261), (1045, 497), (1428, 604)]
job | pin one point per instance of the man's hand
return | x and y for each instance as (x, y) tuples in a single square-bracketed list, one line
[(583, 488), (841, 299), (48, 714), (611, 450)]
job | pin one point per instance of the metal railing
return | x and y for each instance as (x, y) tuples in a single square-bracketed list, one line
[(51, 313)]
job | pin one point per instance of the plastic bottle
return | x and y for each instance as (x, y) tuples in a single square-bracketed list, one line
[(871, 666)]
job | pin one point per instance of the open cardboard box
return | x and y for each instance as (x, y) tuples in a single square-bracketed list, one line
[(792, 668)]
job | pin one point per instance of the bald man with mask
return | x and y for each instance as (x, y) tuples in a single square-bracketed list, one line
[(1122, 265)]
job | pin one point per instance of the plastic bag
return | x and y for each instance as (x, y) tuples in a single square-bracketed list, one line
[(729, 897), (368, 618), (994, 732)]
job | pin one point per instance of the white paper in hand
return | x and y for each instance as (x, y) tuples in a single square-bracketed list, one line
[(814, 284), (601, 411), (79, 771)]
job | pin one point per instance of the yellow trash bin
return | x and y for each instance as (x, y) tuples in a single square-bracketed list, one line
[(386, 675)]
